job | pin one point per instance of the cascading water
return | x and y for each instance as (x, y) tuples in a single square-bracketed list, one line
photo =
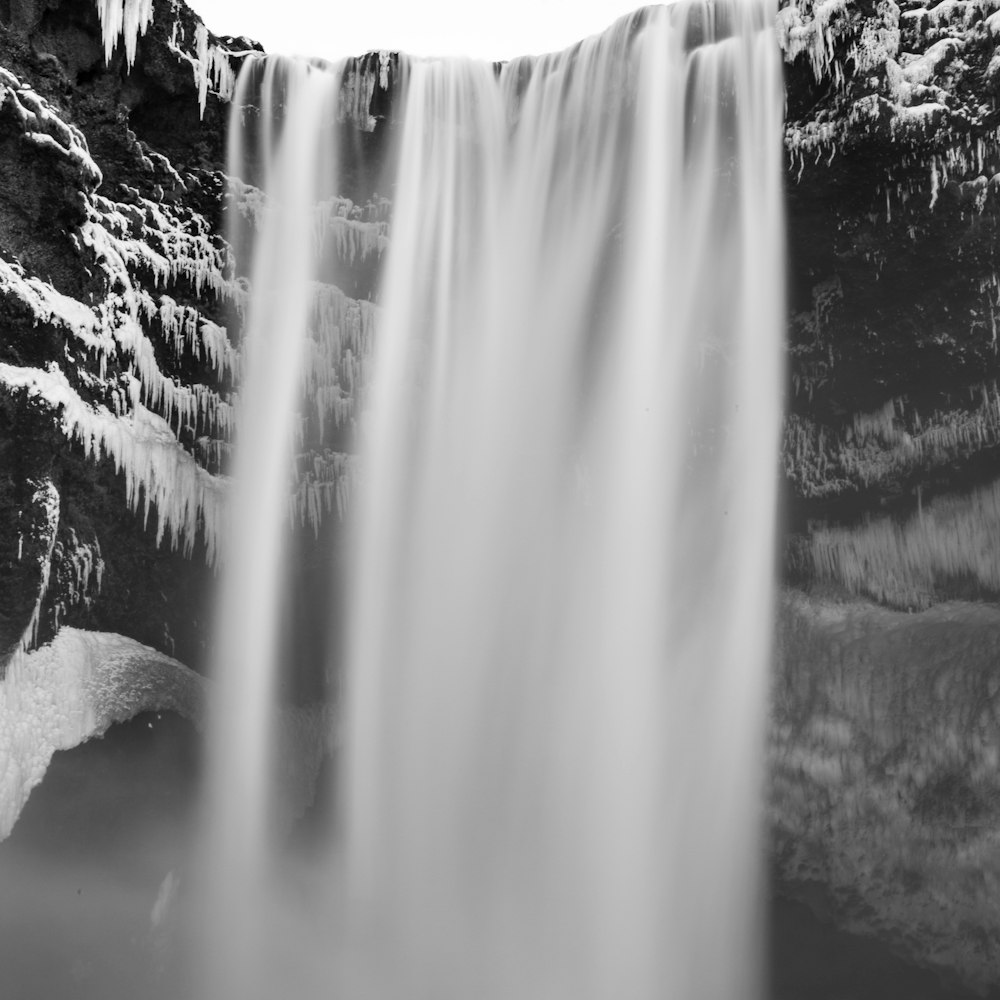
[(561, 537)]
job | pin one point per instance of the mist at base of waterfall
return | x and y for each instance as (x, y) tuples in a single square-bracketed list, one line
[(81, 877)]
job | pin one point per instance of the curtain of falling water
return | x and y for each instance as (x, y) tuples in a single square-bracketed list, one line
[(281, 139), (559, 645), (561, 570)]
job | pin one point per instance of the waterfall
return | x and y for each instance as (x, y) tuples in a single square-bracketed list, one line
[(559, 579)]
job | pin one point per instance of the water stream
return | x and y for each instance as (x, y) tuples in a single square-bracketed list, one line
[(559, 580)]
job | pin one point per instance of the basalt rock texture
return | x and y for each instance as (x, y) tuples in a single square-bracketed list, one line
[(884, 803), (114, 362), (121, 303)]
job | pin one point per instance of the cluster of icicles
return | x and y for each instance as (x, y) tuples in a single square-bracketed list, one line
[(144, 247), (127, 20), (559, 574)]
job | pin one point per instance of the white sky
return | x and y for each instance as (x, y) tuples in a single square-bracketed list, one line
[(333, 28)]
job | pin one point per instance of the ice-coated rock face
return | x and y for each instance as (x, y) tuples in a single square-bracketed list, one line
[(894, 166), (117, 291), (121, 359), (81, 683), (74, 689)]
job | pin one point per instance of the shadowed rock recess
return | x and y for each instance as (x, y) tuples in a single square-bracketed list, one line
[(121, 304)]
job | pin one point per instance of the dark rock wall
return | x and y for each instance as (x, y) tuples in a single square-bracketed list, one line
[(892, 199), (116, 133)]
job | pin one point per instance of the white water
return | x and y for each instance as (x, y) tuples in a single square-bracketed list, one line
[(560, 582)]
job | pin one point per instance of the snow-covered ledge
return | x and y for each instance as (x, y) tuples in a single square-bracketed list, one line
[(73, 689)]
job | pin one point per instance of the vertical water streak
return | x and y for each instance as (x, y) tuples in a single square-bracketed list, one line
[(560, 577), (281, 137), (563, 574)]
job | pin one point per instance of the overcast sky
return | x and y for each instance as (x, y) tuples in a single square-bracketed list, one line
[(332, 28)]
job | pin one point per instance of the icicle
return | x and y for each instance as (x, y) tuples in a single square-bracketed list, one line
[(159, 474), (213, 68), (46, 498), (128, 18), (213, 72)]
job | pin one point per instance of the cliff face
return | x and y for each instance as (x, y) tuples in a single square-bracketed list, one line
[(119, 360), (893, 406), (884, 730), (114, 300)]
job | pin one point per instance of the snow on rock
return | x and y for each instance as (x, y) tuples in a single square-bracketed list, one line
[(44, 128), (884, 446), (169, 242), (79, 685), (129, 312), (812, 29), (878, 41), (49, 306), (901, 73), (72, 690), (143, 446)]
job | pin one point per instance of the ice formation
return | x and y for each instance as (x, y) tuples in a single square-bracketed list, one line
[(143, 446), (323, 488), (159, 475), (140, 242), (76, 687), (47, 305), (79, 568), (812, 28), (45, 498), (169, 242), (126, 19), (210, 64), (948, 539), (339, 355), (889, 443), (71, 690), (896, 75)]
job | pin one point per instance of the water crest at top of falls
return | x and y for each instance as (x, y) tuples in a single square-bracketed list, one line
[(565, 410)]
